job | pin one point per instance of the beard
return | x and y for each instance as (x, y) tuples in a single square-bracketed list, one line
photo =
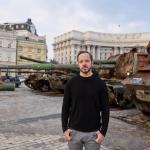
[(85, 70)]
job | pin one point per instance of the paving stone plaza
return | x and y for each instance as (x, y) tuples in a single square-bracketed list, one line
[(30, 120)]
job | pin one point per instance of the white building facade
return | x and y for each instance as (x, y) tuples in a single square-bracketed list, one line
[(21, 39), (7, 47), (100, 45)]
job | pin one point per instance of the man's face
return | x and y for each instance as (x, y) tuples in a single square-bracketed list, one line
[(84, 63)]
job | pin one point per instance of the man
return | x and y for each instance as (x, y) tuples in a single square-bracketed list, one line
[(85, 109)]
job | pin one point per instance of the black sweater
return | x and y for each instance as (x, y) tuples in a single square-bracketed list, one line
[(85, 105)]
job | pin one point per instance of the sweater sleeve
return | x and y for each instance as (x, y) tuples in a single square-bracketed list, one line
[(104, 110), (65, 107)]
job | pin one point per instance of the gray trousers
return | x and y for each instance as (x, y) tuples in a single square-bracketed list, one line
[(83, 139)]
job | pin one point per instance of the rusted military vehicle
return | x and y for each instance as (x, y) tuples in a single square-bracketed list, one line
[(54, 80), (138, 82), (129, 82), (124, 65), (56, 77), (49, 77), (113, 71)]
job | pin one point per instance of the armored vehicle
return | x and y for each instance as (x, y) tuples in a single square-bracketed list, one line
[(139, 82), (115, 71), (111, 71)]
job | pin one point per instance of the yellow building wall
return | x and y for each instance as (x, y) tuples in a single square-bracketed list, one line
[(31, 49)]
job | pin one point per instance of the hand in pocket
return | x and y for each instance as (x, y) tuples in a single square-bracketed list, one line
[(68, 134), (99, 137)]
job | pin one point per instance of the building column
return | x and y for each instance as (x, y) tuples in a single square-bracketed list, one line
[(78, 48), (121, 50), (72, 54), (66, 54), (88, 48), (93, 52), (83, 47), (116, 50), (69, 55), (144, 49), (62, 55), (59, 58), (98, 52)]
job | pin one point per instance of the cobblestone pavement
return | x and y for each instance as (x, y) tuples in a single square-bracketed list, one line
[(33, 142), (31, 121)]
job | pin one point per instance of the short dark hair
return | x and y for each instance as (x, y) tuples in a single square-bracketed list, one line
[(82, 52)]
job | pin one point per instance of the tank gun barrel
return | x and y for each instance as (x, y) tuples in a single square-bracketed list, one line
[(33, 60), (97, 62), (50, 66)]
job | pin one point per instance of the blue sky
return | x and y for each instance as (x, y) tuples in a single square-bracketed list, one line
[(54, 17)]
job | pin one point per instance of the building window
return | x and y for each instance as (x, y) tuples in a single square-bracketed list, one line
[(39, 50), (9, 58), (9, 45), (105, 56), (17, 26), (29, 56), (20, 48), (29, 49), (26, 38)]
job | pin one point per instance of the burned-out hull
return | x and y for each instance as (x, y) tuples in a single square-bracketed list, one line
[(139, 85), (53, 77), (139, 82), (140, 91), (142, 101)]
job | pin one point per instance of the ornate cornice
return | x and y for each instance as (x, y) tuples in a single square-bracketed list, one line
[(105, 39)]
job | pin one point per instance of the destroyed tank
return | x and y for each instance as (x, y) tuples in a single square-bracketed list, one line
[(57, 76), (118, 93), (108, 70), (121, 81), (49, 77), (138, 81)]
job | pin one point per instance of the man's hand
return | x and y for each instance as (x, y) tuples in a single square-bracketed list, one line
[(99, 137), (68, 134)]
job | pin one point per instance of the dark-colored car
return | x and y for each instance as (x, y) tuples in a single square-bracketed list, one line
[(11, 79)]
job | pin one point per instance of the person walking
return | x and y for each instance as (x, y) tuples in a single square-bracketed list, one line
[(85, 108)]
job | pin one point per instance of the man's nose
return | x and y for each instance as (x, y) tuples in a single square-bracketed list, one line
[(84, 63)]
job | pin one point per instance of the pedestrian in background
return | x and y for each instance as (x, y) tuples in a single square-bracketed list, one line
[(85, 108)]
